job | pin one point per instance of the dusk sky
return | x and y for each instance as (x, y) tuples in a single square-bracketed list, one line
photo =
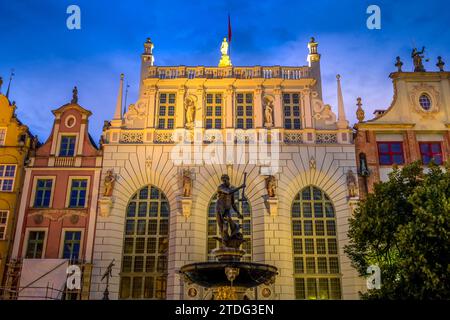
[(50, 59)]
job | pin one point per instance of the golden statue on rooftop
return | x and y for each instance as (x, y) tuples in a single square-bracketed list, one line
[(225, 60)]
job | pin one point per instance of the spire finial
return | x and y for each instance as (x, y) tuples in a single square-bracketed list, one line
[(313, 55), (359, 112), (118, 112), (440, 64), (342, 120), (74, 95), (10, 80), (147, 56), (398, 64)]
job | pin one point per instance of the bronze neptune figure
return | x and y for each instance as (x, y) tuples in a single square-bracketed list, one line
[(226, 202)]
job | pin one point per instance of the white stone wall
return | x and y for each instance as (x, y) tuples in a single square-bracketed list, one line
[(271, 236)]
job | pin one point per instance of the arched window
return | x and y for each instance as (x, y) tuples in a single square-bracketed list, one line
[(316, 263), (246, 226), (144, 263)]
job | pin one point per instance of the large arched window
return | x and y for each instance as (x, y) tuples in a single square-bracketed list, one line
[(144, 263), (246, 226), (316, 263)]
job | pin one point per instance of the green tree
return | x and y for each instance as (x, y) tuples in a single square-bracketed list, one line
[(404, 228)]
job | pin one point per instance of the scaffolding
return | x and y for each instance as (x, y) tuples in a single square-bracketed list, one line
[(13, 291)]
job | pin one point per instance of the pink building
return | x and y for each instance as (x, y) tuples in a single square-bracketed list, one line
[(56, 219)]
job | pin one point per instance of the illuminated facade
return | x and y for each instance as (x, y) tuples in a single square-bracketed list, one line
[(58, 209), (15, 142), (162, 163), (414, 127)]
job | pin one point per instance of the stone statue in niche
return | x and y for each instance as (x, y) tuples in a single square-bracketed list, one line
[(190, 112), (351, 184), (268, 112), (109, 182), (271, 186), (187, 183)]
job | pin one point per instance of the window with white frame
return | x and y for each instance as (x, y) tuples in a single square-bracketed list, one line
[(3, 223), (71, 245), (67, 147), (35, 246), (7, 176), (78, 192), (43, 193), (2, 136)]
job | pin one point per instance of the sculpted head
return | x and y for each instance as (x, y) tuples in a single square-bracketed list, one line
[(225, 179)]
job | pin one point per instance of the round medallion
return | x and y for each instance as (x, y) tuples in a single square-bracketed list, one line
[(70, 121), (38, 218), (192, 292), (74, 218), (266, 292)]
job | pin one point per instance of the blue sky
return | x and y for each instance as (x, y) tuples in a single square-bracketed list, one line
[(49, 59)]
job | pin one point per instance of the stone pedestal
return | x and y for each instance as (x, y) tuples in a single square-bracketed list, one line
[(272, 206), (186, 205), (105, 205)]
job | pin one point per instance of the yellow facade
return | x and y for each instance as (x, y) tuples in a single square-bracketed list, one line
[(15, 142)]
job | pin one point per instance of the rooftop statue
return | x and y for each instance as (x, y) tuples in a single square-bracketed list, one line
[(225, 60), (417, 57), (224, 47)]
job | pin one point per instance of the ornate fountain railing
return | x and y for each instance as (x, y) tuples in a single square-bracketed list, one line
[(291, 73)]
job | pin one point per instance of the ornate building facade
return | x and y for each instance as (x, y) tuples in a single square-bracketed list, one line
[(164, 157), (414, 127), (15, 143), (58, 209)]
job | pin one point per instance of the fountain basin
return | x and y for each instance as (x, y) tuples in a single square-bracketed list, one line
[(211, 274)]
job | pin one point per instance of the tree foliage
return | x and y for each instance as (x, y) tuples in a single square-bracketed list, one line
[(404, 228)]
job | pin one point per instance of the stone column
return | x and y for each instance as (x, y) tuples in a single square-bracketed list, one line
[(199, 112), (179, 108), (152, 107), (229, 107), (306, 109), (258, 108), (278, 108)]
